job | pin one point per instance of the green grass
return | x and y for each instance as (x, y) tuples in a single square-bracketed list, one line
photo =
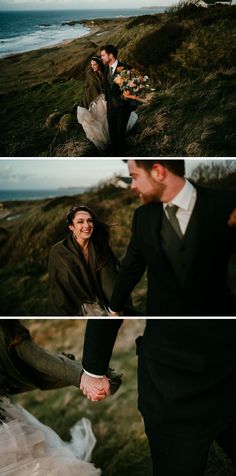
[(30, 110), (192, 68)]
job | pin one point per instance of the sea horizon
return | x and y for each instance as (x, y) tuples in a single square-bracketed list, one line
[(39, 194), (29, 30)]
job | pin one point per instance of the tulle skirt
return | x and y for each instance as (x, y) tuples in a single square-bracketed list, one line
[(29, 448), (94, 122)]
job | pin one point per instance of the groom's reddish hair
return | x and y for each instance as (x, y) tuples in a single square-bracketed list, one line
[(110, 49), (177, 166)]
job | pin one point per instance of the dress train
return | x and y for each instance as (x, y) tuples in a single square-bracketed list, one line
[(94, 122), (29, 448)]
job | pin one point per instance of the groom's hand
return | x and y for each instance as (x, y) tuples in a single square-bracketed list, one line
[(95, 389)]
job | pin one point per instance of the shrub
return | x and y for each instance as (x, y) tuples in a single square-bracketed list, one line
[(143, 20), (156, 48), (185, 11)]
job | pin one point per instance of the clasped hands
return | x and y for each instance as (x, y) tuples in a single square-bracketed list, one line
[(95, 389)]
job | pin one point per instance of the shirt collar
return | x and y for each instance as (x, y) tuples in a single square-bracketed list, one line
[(184, 197), (114, 65)]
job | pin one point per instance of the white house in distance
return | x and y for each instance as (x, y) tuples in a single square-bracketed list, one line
[(119, 182), (210, 3)]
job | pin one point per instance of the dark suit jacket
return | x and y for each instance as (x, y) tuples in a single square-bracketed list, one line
[(187, 367), (113, 92), (206, 291)]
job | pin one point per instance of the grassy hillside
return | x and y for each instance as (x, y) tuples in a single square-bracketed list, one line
[(25, 247), (121, 443), (189, 56)]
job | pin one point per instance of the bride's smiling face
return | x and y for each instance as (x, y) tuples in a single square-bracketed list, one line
[(95, 66), (82, 226)]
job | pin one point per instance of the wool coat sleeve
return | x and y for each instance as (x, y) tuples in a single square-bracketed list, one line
[(53, 370)]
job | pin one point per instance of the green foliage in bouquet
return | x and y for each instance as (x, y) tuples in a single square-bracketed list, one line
[(132, 81)]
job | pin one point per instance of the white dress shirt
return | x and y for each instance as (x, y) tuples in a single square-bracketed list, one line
[(113, 67), (93, 375), (185, 201)]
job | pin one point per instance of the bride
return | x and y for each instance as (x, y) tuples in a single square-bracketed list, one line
[(92, 113), (26, 445)]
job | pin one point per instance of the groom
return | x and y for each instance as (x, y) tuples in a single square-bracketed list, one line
[(118, 109), (186, 367)]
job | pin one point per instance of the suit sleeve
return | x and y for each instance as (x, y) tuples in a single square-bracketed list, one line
[(100, 336), (132, 268)]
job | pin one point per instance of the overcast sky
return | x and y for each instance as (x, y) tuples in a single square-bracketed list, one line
[(82, 4), (38, 174)]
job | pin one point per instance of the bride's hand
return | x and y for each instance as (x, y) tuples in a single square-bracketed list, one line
[(95, 389), (128, 95)]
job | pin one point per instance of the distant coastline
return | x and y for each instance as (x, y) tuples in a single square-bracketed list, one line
[(24, 195), (154, 8), (29, 30)]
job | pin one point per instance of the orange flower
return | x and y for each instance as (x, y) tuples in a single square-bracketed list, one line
[(119, 69), (232, 218), (118, 80)]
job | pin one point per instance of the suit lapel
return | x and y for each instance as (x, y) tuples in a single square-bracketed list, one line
[(200, 216), (155, 224)]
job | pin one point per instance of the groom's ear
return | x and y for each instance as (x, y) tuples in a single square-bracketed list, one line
[(158, 172)]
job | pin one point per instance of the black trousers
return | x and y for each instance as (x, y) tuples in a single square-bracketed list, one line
[(117, 118), (179, 440)]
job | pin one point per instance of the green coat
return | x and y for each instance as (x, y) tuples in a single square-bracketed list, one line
[(94, 85), (27, 367), (73, 282)]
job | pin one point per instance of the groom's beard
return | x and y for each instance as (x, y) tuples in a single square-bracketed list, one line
[(154, 195)]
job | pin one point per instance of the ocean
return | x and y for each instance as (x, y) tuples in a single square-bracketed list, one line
[(22, 31), (18, 195)]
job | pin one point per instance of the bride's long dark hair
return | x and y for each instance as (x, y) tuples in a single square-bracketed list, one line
[(100, 236), (14, 331)]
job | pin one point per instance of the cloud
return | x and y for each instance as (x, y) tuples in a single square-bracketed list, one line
[(7, 176), (5, 172)]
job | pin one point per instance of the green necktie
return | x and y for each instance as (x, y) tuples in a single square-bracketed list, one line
[(171, 211)]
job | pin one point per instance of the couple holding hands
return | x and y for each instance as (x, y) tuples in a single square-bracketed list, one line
[(184, 236)]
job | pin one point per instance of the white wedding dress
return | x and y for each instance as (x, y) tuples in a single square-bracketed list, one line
[(29, 448), (94, 122)]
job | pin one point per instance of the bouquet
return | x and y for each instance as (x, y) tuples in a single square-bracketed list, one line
[(132, 83)]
